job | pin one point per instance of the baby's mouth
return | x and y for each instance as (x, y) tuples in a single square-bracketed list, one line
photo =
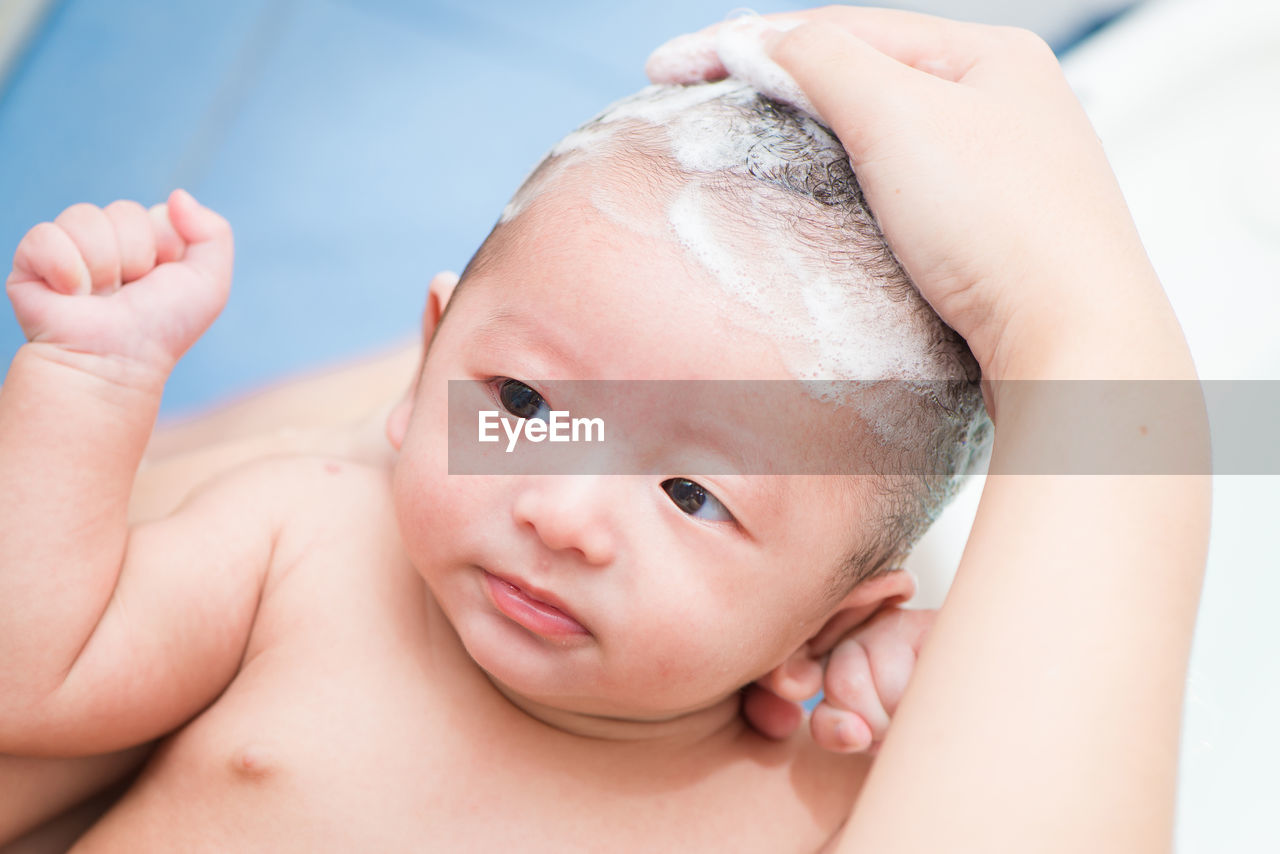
[(531, 609)]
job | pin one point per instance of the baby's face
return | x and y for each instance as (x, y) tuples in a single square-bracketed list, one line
[(633, 596)]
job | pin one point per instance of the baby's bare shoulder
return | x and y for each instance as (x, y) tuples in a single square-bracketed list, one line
[(328, 511), (303, 483), (287, 504)]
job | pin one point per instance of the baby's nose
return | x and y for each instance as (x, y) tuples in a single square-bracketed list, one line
[(565, 511)]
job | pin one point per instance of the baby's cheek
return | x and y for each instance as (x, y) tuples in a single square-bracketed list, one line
[(678, 659), (421, 504)]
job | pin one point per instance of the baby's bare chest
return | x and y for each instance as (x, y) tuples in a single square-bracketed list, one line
[(354, 725)]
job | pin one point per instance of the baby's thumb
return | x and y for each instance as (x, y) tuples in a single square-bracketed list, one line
[(210, 248)]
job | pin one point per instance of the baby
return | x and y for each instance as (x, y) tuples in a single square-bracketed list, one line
[(358, 657)]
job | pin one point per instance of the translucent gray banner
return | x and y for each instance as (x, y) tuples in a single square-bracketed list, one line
[(886, 427)]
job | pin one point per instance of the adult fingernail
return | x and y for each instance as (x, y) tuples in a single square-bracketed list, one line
[(684, 59)]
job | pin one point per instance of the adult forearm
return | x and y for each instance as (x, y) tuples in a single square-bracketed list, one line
[(1045, 711), (72, 431)]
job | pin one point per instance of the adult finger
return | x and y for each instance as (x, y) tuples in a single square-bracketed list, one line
[(690, 58), (867, 97), (135, 238), (93, 234), (937, 46)]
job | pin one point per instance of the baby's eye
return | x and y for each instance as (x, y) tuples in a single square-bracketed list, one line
[(522, 401), (696, 501)]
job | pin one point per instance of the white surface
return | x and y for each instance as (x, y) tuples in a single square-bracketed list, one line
[(18, 18), (1185, 95)]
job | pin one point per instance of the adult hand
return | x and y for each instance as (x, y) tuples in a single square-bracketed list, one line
[(979, 163)]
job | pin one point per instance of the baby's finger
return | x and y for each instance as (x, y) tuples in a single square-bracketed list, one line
[(840, 730), (207, 235), (169, 246), (892, 647), (47, 254), (851, 686), (93, 234), (135, 237), (770, 715)]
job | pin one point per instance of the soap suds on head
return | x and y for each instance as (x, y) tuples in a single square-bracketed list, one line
[(735, 48), (706, 126), (765, 201), (690, 58), (828, 320), (739, 45)]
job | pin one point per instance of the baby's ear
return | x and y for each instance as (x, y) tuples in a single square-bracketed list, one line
[(438, 294), (880, 591), (800, 676)]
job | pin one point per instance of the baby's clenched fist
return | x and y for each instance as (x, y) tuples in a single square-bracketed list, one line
[(863, 677), (124, 282)]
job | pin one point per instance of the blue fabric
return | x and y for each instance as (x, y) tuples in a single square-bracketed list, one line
[(357, 147)]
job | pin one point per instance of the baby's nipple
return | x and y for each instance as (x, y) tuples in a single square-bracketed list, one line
[(252, 762)]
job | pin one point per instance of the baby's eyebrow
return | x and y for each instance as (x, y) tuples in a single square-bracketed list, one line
[(506, 327)]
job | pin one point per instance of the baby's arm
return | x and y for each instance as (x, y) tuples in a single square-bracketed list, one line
[(109, 637), (38, 790), (339, 412)]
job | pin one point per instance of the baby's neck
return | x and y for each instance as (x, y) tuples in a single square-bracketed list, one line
[(718, 723)]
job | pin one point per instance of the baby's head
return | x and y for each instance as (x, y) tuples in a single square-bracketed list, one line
[(707, 234)]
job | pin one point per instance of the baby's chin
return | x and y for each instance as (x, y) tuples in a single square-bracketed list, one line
[(567, 692), (571, 684)]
